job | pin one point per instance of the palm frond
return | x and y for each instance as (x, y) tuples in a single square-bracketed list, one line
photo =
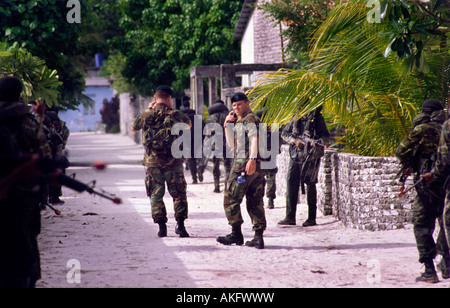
[(361, 89)]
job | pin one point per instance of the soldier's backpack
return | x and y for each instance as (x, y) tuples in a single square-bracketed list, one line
[(157, 137)]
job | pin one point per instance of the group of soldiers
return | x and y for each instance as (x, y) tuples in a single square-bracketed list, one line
[(24, 189), (425, 155), (244, 176), (26, 140)]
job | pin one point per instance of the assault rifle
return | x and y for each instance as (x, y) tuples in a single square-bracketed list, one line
[(311, 156), (403, 191), (50, 168)]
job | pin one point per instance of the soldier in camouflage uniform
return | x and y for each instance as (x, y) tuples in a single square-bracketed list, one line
[(246, 161), (156, 124), (20, 219), (217, 114), (418, 154), (441, 173), (303, 163), (271, 174), (57, 135)]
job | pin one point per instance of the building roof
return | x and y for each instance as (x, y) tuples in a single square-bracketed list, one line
[(246, 13)]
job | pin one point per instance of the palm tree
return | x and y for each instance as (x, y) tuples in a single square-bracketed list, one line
[(362, 90)]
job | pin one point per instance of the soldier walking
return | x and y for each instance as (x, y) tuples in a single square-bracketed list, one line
[(161, 167), (246, 177), (417, 154)]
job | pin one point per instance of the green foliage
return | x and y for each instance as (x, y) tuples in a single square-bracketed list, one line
[(362, 90), (39, 81), (417, 30), (163, 39), (42, 28), (113, 67), (301, 19)]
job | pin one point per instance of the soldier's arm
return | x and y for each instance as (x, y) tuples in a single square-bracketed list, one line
[(442, 166), (136, 125)]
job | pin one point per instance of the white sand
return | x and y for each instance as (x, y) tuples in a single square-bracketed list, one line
[(119, 247)]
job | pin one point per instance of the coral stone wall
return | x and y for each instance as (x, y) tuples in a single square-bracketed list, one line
[(360, 191)]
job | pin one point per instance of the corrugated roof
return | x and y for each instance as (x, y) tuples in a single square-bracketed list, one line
[(246, 13)]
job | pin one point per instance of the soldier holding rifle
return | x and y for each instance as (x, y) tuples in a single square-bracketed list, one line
[(417, 154), (305, 137)]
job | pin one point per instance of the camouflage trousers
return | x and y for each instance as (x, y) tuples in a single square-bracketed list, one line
[(271, 184), (227, 162), (155, 181), (446, 216), (428, 206), (253, 190)]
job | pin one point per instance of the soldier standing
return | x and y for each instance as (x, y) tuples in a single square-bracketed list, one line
[(441, 172), (271, 174), (246, 177), (196, 164), (303, 163), (20, 222), (217, 114), (57, 135), (156, 124), (417, 154)]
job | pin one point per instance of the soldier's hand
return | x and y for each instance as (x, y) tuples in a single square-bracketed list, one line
[(250, 167), (299, 143), (230, 118), (429, 178)]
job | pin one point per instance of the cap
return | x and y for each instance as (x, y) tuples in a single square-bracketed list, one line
[(165, 89), (431, 105), (239, 97)]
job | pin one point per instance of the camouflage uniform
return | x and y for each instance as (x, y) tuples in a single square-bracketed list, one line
[(253, 188), (303, 170), (271, 174), (162, 167), (418, 152), (442, 172), (20, 220), (57, 135), (217, 114)]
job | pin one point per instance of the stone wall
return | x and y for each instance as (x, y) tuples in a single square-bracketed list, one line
[(360, 191)]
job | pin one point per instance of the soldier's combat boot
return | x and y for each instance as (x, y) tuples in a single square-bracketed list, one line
[(444, 267), (270, 205), (287, 222), (309, 222), (430, 275), (235, 237), (257, 241), (162, 229), (180, 229), (216, 185)]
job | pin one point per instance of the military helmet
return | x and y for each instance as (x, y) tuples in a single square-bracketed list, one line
[(430, 105)]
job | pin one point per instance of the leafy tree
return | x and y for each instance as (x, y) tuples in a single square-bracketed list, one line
[(301, 18), (163, 39), (42, 28), (362, 90), (417, 28), (39, 81)]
